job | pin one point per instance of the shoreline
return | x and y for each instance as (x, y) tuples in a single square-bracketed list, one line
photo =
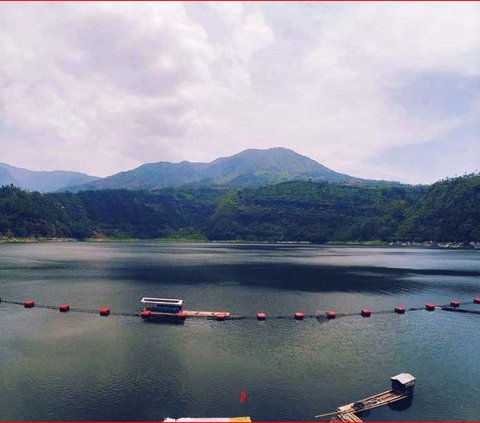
[(373, 243)]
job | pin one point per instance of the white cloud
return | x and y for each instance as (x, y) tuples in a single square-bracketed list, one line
[(103, 87)]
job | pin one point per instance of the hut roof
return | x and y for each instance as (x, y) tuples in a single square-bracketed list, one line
[(404, 378)]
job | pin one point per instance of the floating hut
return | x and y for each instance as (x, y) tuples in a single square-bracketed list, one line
[(403, 385), (166, 309), (162, 305)]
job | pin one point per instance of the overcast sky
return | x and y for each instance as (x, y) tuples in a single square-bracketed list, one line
[(378, 90)]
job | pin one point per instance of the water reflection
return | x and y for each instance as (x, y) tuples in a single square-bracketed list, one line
[(402, 404)]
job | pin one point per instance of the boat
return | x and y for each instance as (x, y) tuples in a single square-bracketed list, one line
[(163, 309), (171, 310)]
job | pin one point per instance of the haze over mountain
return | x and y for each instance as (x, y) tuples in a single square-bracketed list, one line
[(248, 168), (43, 181)]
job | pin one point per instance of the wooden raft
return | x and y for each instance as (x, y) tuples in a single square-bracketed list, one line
[(347, 413), (374, 401), (207, 314), (349, 417)]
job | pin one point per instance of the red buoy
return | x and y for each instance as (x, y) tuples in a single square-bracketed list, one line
[(430, 307), (330, 314), (220, 317), (145, 314), (400, 310), (365, 312), (104, 311), (476, 300), (64, 308), (261, 316), (182, 315), (29, 304), (455, 303), (299, 315)]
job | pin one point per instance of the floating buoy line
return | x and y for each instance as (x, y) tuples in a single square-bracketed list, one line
[(454, 305)]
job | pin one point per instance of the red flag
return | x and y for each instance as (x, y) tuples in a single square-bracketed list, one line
[(243, 396)]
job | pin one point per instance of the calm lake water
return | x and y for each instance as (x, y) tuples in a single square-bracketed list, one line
[(77, 366)]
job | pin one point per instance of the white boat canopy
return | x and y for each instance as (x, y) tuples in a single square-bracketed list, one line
[(162, 301), (406, 379)]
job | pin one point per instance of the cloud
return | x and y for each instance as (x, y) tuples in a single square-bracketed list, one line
[(98, 80), (104, 87)]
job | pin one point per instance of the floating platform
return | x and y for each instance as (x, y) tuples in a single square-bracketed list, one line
[(402, 387), (207, 314), (348, 417), (180, 317), (378, 400), (171, 309)]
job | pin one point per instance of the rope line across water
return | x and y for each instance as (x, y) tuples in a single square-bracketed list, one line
[(320, 315)]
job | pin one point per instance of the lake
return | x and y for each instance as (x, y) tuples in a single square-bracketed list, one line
[(80, 366)]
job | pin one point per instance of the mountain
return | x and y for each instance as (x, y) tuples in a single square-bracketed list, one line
[(43, 181), (260, 167), (248, 168), (149, 176)]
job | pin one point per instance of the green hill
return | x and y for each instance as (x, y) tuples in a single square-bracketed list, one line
[(292, 211), (449, 211)]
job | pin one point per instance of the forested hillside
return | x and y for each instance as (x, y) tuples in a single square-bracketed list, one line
[(293, 211), (449, 211)]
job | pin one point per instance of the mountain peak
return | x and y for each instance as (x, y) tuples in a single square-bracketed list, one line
[(247, 168)]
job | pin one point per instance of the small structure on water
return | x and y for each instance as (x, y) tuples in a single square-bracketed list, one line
[(171, 309), (403, 386), (168, 309), (162, 305)]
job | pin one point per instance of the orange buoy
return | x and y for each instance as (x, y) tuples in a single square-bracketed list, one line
[(104, 311), (182, 315), (261, 316), (455, 303), (64, 308), (299, 315), (220, 317), (365, 312), (29, 304), (430, 307), (145, 314), (330, 314), (400, 310), (476, 300)]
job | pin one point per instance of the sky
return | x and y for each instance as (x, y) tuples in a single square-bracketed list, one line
[(375, 90)]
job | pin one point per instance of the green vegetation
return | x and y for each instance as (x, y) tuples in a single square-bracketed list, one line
[(449, 211), (291, 211)]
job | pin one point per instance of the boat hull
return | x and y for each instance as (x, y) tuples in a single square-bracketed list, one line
[(164, 318)]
